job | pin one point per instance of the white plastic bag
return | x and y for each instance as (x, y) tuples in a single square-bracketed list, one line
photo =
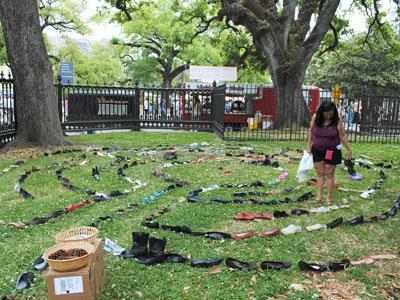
[(306, 165)]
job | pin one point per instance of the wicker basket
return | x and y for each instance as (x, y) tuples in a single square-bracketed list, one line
[(78, 234), (70, 264)]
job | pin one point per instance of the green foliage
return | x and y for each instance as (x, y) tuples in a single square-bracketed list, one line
[(63, 15), (99, 65), (357, 64)]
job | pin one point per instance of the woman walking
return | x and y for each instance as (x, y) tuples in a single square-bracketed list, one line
[(325, 136)]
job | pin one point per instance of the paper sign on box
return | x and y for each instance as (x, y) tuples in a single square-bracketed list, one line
[(68, 285)]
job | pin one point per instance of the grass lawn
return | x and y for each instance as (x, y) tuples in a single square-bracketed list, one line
[(127, 279)]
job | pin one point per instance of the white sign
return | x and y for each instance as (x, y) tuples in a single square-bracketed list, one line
[(68, 285), (213, 73)]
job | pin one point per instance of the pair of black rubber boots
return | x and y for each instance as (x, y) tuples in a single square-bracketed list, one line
[(147, 250)]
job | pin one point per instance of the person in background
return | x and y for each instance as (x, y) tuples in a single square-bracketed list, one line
[(146, 107), (196, 107), (163, 108), (325, 136)]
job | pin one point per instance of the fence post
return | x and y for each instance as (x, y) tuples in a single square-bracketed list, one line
[(136, 104), (213, 104), (59, 97)]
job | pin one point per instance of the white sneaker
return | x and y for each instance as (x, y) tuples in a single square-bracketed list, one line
[(316, 227), (291, 229)]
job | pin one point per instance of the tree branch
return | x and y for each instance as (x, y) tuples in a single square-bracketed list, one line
[(178, 71), (121, 5), (289, 8), (302, 23), (58, 24), (142, 45), (56, 58), (375, 20), (204, 28), (332, 46), (324, 20), (240, 15)]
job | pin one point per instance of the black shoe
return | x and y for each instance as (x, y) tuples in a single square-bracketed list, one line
[(175, 258), (304, 197), (338, 266), (390, 213), (239, 201), (117, 193), (275, 265), (335, 223), (194, 199), (237, 264), (299, 212), (186, 230), (280, 214), (377, 186), (40, 264), (24, 281), (156, 253), (239, 194), (205, 263), (220, 200), (217, 235), (287, 200), (177, 229), (256, 184), (397, 203), (170, 187), (356, 221), (139, 245), (195, 192), (151, 224), (275, 164), (100, 198), (151, 260), (312, 267), (350, 167), (96, 173)]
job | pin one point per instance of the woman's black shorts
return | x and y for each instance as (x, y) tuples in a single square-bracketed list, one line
[(319, 155)]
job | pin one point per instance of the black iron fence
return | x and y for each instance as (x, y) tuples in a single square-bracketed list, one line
[(255, 113), (86, 107), (7, 109), (233, 111)]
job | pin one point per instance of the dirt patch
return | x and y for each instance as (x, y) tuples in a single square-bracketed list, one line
[(334, 290), (391, 291)]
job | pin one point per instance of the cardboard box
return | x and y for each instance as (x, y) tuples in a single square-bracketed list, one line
[(82, 284)]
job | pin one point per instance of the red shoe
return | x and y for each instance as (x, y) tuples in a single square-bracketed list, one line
[(244, 217), (240, 236), (312, 182), (271, 232), (263, 216), (75, 206)]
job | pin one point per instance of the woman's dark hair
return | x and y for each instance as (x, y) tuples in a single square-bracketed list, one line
[(325, 106)]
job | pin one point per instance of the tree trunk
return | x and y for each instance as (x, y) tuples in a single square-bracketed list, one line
[(166, 85), (36, 101), (291, 107)]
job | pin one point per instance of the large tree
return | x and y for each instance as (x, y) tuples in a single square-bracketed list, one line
[(289, 33), (36, 105), (159, 39)]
